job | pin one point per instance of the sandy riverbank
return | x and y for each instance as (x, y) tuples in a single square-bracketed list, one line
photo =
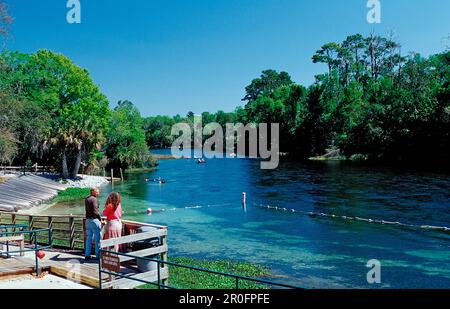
[(85, 181)]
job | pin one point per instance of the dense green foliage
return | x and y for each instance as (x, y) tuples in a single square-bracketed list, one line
[(126, 144), (52, 113), (372, 103), (72, 124), (183, 278)]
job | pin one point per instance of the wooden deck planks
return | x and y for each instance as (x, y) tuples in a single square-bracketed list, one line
[(68, 265)]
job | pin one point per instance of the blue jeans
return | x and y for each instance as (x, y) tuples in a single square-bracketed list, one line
[(93, 229)]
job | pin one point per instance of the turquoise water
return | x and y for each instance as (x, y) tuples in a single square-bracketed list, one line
[(201, 204)]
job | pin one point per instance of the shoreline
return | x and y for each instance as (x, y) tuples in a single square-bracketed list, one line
[(85, 181)]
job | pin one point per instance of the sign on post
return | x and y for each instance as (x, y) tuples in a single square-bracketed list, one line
[(111, 262)]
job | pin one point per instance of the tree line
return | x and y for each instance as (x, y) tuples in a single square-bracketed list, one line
[(372, 103), (52, 113)]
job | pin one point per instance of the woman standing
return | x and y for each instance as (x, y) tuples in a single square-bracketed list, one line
[(113, 213)]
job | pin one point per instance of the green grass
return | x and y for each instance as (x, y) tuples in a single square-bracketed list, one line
[(183, 278), (72, 194)]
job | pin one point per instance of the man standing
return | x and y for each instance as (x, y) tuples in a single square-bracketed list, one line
[(93, 223)]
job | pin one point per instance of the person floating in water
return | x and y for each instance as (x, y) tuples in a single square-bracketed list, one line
[(151, 211), (201, 161)]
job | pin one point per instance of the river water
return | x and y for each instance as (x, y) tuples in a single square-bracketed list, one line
[(201, 204)]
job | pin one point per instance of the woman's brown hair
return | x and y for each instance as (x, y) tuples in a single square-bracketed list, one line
[(113, 199)]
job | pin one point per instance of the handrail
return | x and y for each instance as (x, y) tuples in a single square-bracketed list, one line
[(24, 169), (67, 229), (36, 245), (20, 214), (158, 261), (13, 226), (24, 232), (19, 167), (132, 238)]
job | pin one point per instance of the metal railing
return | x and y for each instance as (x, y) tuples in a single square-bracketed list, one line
[(68, 230), (33, 234), (24, 169), (237, 278)]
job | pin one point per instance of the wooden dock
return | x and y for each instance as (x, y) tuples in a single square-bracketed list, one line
[(69, 265), (66, 258)]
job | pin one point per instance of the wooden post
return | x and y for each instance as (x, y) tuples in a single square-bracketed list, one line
[(164, 258), (13, 221), (121, 174), (30, 226), (72, 232), (112, 175), (50, 226)]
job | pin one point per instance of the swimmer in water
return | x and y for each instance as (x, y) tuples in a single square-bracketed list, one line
[(150, 211), (158, 180)]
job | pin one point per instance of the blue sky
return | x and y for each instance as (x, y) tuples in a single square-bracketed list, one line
[(172, 56)]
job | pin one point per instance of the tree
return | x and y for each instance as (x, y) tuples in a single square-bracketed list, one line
[(8, 140), (158, 131), (355, 45), (371, 103), (328, 54), (266, 84), (5, 20), (78, 110), (125, 143)]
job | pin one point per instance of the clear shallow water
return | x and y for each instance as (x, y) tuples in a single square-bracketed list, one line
[(309, 252)]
